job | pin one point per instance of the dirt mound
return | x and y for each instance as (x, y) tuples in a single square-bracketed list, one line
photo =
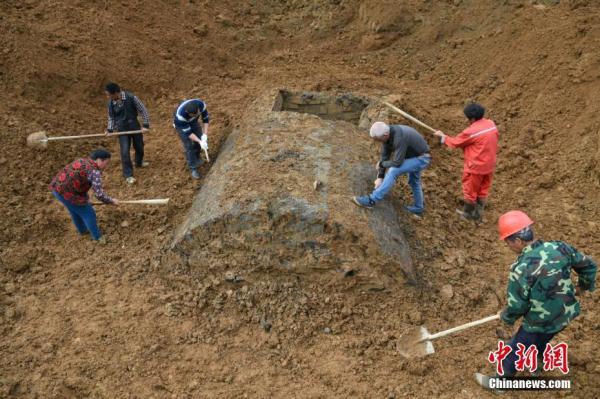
[(294, 215), (135, 318), (383, 22)]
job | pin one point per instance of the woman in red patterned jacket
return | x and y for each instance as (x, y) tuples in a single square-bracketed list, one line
[(71, 185)]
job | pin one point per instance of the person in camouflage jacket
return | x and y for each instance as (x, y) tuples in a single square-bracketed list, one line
[(539, 287)]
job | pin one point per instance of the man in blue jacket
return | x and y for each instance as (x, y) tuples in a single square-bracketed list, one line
[(193, 136)]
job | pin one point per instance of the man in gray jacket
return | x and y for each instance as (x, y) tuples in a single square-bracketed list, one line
[(403, 151)]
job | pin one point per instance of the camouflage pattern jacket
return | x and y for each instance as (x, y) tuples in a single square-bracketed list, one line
[(540, 287)]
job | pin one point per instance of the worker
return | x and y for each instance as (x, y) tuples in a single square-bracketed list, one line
[(123, 110), (71, 185), (193, 136), (403, 151), (479, 143), (540, 289)]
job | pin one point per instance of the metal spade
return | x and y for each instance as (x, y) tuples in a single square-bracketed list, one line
[(417, 342)]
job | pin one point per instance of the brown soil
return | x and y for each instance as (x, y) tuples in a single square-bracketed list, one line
[(131, 319)]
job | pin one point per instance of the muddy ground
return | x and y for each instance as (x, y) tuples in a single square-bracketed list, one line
[(130, 319)]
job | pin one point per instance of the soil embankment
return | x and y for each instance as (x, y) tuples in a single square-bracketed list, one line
[(130, 318)]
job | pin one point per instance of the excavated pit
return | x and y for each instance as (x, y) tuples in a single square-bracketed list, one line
[(278, 199), (345, 107)]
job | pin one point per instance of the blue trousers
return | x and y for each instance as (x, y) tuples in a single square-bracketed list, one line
[(411, 166), (83, 217), (526, 338), (191, 148)]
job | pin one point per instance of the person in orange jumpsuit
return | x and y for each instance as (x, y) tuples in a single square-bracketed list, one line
[(479, 143)]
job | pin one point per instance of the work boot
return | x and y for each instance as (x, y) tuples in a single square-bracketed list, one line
[(365, 201), (484, 381), (481, 204), (195, 174), (480, 207), (469, 211), (414, 210)]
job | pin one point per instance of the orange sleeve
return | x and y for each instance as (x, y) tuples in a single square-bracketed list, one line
[(460, 141)]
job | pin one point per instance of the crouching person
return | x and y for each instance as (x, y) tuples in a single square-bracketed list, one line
[(403, 152), (71, 185)]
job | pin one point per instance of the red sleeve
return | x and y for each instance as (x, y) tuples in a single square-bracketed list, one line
[(460, 141)]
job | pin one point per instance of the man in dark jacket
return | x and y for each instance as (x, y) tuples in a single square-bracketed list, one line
[(403, 151), (192, 135), (71, 185), (123, 109)]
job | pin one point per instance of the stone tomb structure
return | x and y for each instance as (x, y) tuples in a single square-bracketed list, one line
[(278, 198)]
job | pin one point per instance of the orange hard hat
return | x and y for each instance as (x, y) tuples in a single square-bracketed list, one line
[(512, 222)]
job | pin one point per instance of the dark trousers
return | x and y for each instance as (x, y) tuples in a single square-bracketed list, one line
[(526, 338), (125, 144), (191, 148), (83, 217)]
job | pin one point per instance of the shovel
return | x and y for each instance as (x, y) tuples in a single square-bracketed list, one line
[(41, 140), (417, 342), (409, 117)]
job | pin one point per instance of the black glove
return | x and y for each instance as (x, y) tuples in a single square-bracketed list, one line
[(504, 332)]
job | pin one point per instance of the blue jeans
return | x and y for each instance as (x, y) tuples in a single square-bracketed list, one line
[(411, 166), (191, 148), (83, 217), (526, 338)]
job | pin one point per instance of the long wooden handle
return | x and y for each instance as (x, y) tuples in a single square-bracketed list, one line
[(409, 117), (460, 328), (83, 136), (207, 157), (157, 201)]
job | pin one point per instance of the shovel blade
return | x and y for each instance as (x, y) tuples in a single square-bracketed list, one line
[(412, 343), (37, 139)]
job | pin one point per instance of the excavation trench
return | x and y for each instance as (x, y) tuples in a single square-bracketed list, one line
[(278, 198), (344, 107)]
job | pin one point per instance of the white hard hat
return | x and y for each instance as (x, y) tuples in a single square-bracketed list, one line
[(379, 129)]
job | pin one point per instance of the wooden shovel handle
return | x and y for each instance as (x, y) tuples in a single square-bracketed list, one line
[(409, 117), (460, 328), (82, 136), (156, 201)]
